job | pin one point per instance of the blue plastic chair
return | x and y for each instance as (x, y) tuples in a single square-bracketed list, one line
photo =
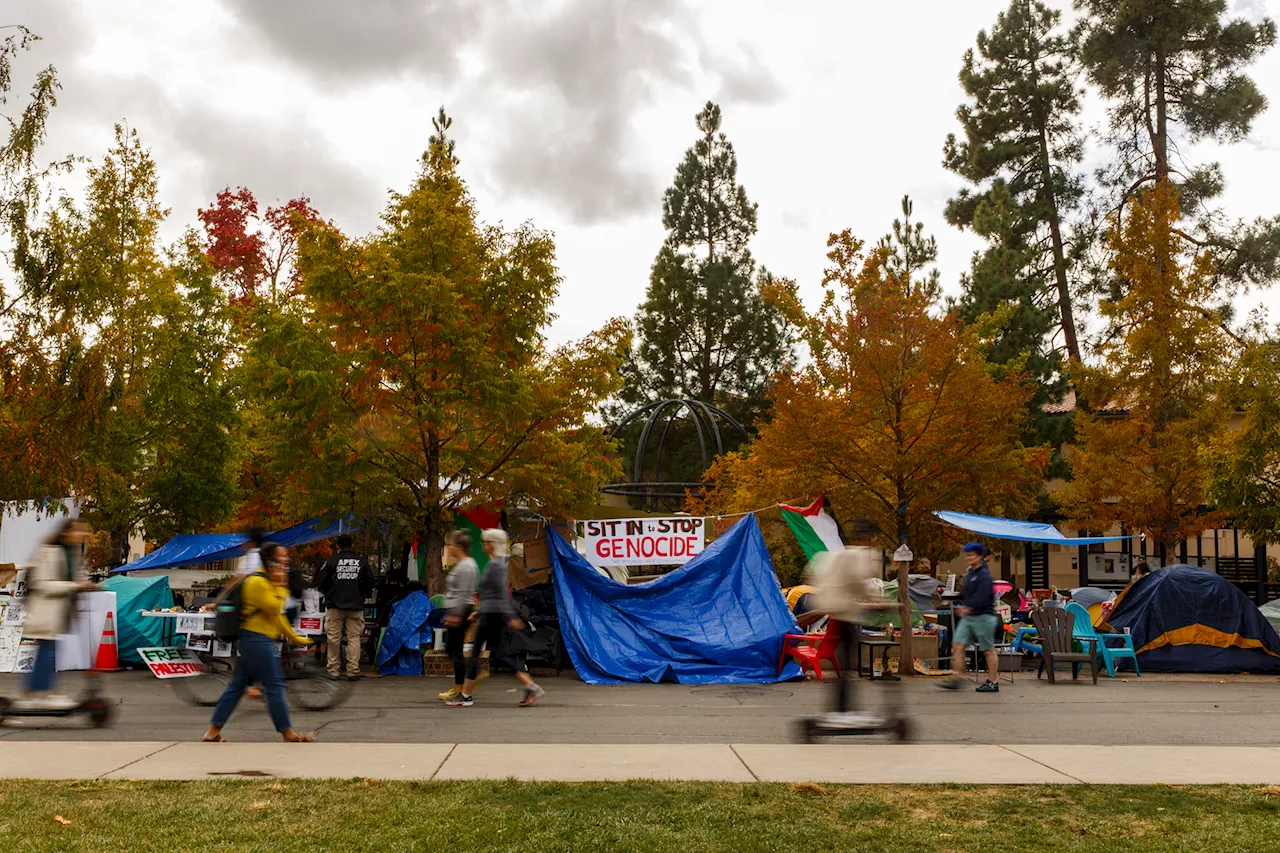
[(1084, 630)]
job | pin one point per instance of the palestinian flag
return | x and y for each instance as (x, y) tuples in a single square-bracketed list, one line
[(815, 529), (473, 521)]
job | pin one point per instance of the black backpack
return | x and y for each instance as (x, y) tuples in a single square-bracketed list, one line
[(226, 611)]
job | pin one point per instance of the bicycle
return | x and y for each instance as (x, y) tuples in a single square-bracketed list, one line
[(307, 684)]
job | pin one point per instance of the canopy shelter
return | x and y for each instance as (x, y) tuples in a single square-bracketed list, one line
[(189, 549), (1018, 531)]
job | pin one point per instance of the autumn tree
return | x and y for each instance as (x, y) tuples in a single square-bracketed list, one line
[(703, 331), (1153, 399), (897, 414), (1173, 73), (1244, 465), (1021, 149), (410, 373), (251, 251)]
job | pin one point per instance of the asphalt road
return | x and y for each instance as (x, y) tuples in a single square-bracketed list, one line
[(399, 710)]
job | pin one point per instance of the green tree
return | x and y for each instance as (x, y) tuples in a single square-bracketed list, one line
[(410, 374), (1021, 140), (1173, 73), (703, 331), (1244, 464)]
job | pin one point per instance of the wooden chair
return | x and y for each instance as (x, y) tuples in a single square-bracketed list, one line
[(1055, 626)]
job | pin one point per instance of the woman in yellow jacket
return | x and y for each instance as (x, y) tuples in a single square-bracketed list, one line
[(262, 624)]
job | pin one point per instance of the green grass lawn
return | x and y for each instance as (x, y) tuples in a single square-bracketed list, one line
[(319, 816)]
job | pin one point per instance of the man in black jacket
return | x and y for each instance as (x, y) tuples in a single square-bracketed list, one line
[(345, 581), (978, 620)]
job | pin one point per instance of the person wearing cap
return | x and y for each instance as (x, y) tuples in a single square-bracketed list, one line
[(496, 611), (978, 620), (345, 581)]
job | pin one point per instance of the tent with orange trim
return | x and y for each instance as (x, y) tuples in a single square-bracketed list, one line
[(1187, 619)]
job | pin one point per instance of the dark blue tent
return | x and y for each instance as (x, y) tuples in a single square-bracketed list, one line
[(1186, 619), (719, 619)]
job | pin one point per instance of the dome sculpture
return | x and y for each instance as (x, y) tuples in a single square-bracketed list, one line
[(710, 423)]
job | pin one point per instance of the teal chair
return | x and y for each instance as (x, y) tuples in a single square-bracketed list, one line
[(1084, 630)]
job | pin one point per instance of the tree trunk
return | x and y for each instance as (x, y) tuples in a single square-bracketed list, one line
[(1161, 143), (906, 655), (435, 551)]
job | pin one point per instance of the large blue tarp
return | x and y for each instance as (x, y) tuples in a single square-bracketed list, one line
[(134, 631), (188, 549), (718, 619), (1188, 619), (407, 632), (1018, 531)]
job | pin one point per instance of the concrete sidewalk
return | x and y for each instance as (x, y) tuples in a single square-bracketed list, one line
[(864, 763)]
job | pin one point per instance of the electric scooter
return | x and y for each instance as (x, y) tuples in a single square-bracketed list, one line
[(92, 703), (889, 720)]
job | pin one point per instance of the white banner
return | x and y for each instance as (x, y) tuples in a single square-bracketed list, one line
[(644, 541)]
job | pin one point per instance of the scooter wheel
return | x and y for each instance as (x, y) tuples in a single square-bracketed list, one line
[(902, 731), (99, 712), (806, 730)]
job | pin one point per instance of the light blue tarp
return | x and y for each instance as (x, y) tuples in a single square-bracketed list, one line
[(718, 619), (407, 633), (1019, 531), (132, 630), (187, 549)]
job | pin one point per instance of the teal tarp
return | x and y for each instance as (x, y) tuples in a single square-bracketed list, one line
[(134, 631)]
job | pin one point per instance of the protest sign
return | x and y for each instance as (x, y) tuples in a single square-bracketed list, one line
[(644, 541), (193, 624), (171, 662)]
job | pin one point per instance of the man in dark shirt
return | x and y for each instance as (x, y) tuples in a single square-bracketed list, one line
[(345, 581), (978, 620)]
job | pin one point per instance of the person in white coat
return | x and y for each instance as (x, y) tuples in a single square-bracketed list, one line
[(53, 582)]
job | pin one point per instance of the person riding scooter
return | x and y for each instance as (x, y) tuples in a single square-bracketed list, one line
[(53, 582)]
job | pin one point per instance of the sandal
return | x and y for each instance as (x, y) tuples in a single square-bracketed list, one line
[(215, 739), (299, 737)]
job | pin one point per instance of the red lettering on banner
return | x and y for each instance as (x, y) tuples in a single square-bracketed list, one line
[(657, 547), (693, 544)]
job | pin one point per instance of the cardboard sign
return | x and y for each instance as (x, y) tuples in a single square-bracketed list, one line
[(310, 624), (221, 649), (644, 541), (171, 662), (903, 554), (193, 624), (200, 642)]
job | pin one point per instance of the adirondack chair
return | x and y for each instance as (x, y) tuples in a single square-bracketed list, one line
[(1084, 630), (810, 650), (1055, 626)]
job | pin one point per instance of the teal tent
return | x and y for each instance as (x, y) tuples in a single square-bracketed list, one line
[(134, 631)]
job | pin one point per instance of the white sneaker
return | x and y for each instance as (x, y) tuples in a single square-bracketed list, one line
[(56, 702)]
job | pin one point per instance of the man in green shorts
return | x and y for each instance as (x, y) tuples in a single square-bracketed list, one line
[(978, 620)]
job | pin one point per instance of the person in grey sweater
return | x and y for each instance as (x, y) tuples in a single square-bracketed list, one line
[(497, 611), (459, 598)]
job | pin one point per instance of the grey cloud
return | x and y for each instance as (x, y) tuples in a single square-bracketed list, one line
[(744, 78), (1251, 10), (340, 40)]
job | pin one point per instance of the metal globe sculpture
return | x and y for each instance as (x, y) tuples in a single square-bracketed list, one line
[(710, 423)]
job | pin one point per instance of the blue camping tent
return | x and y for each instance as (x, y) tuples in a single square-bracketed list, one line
[(134, 631), (719, 619), (1187, 619), (189, 549)]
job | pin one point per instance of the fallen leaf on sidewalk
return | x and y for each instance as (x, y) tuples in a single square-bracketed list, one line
[(62, 820)]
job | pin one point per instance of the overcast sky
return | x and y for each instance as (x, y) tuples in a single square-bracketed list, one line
[(572, 114)]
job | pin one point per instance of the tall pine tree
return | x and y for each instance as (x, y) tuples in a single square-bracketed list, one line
[(704, 331), (1020, 150), (1173, 71)]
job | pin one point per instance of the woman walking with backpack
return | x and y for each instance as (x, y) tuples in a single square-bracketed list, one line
[(262, 624)]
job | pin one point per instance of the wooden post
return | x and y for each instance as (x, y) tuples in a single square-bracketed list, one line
[(906, 657)]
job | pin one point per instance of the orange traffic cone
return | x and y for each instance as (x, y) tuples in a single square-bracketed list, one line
[(108, 659)]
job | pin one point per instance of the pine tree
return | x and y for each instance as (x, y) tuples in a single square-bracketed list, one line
[(1021, 140), (1173, 72), (704, 332)]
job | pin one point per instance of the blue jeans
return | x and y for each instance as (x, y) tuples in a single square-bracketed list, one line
[(42, 675), (259, 662)]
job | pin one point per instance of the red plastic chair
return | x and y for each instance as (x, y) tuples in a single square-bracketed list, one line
[(810, 650)]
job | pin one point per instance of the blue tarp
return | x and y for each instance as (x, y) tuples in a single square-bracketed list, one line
[(188, 549), (1018, 531), (406, 634), (132, 630), (719, 619)]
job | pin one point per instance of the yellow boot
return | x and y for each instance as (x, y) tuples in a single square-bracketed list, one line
[(450, 693)]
